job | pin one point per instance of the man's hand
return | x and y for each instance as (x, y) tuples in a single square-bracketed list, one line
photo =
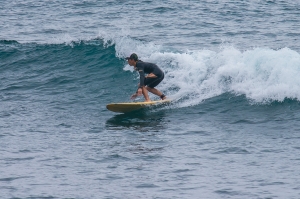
[(133, 96), (138, 93)]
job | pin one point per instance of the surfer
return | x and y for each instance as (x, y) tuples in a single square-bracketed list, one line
[(147, 83)]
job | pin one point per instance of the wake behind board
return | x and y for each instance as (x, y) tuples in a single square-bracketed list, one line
[(133, 106)]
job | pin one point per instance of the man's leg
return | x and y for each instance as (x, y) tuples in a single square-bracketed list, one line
[(145, 93), (155, 91)]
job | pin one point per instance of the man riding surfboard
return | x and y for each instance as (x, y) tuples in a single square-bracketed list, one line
[(147, 83)]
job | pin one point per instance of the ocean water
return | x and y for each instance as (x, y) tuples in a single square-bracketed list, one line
[(232, 71)]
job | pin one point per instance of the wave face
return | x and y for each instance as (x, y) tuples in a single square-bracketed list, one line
[(50, 69), (261, 75)]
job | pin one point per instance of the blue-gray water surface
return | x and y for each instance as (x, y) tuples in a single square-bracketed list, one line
[(231, 69)]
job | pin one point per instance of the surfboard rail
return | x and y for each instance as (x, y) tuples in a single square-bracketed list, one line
[(126, 107)]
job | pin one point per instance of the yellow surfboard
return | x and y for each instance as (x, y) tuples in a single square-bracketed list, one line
[(132, 106)]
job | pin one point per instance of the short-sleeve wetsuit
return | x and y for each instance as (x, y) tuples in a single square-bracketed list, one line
[(145, 67)]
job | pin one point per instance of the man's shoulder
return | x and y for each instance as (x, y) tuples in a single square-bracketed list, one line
[(141, 63)]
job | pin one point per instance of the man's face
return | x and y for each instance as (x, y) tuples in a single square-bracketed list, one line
[(131, 62)]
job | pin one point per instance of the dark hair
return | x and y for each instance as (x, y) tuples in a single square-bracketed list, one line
[(133, 56)]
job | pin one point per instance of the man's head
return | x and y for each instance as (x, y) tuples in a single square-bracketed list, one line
[(132, 59), (133, 56)]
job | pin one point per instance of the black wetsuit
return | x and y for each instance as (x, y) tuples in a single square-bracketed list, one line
[(145, 67)]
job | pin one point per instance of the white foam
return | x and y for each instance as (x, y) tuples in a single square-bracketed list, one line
[(62, 39), (125, 45)]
